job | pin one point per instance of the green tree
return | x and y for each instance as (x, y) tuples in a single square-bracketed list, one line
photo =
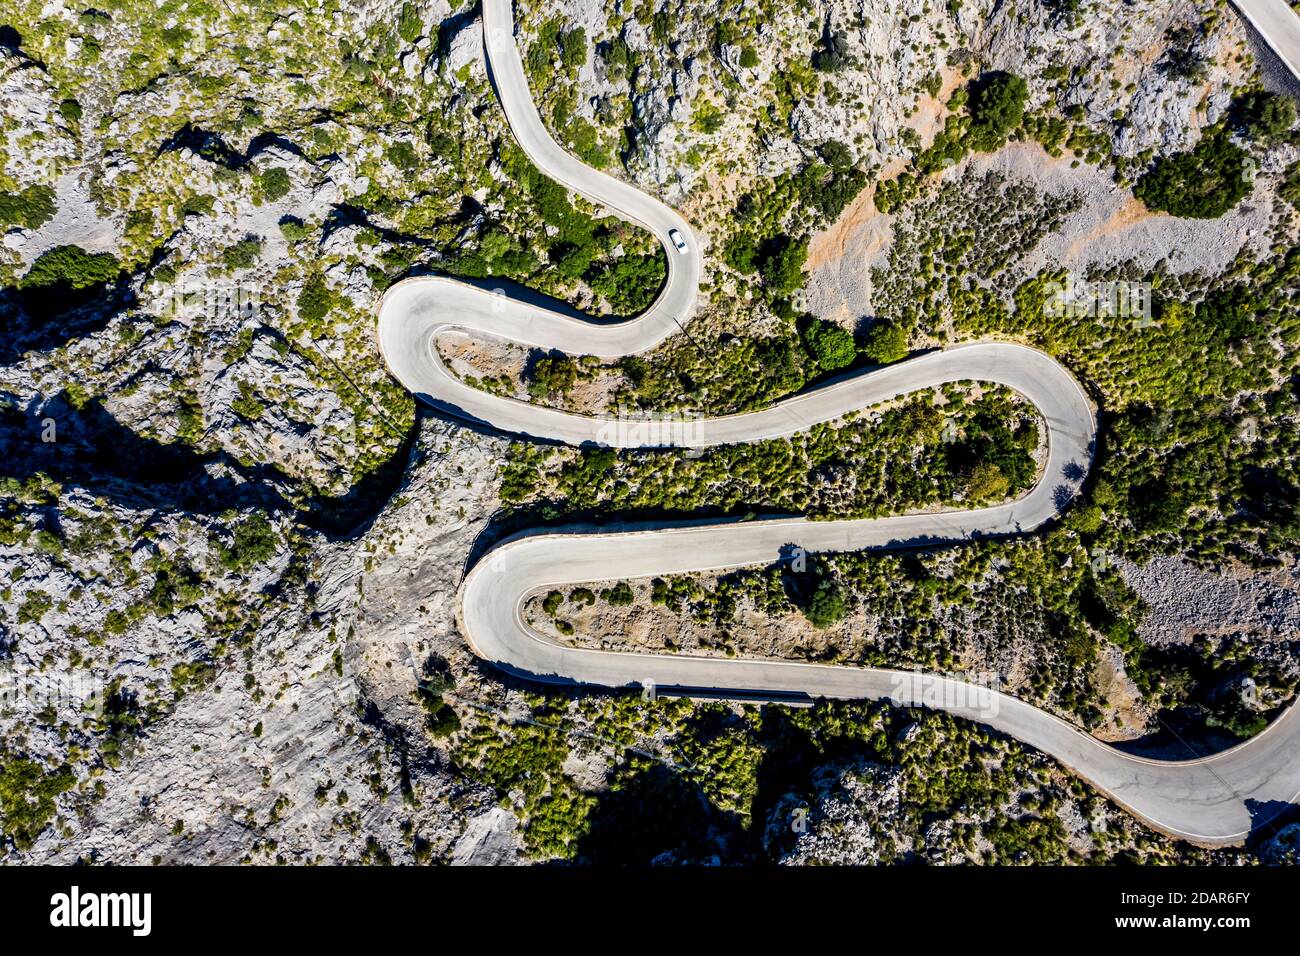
[(886, 342), (833, 55), (829, 345), (827, 605), (783, 268), (1201, 184), (1265, 117), (31, 208), (275, 183), (997, 106), (70, 266)]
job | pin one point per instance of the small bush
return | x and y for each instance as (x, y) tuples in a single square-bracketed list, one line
[(255, 540), (573, 48), (1201, 184), (409, 23), (243, 254), (70, 266), (294, 229), (1290, 189), (31, 208), (553, 376), (827, 605), (28, 791), (247, 404), (315, 300), (198, 205), (620, 595), (275, 183)]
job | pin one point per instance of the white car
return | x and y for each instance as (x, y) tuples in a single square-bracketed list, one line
[(678, 241)]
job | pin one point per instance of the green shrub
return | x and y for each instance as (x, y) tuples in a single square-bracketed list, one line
[(254, 541), (827, 605), (247, 404), (1263, 116), (441, 720), (316, 299), (198, 205), (620, 595), (409, 24), (71, 266), (1201, 184), (1181, 61), (1290, 188), (27, 794), (553, 376), (31, 208), (573, 48), (886, 342), (403, 155), (274, 183), (294, 229), (830, 346), (243, 254), (34, 607), (997, 106)]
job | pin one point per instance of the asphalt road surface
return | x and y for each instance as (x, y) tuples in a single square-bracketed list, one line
[(1219, 799), (1277, 24)]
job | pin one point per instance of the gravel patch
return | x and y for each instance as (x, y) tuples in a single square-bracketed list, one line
[(1109, 227), (1186, 601)]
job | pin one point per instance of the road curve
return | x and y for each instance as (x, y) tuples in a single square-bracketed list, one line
[(1219, 799)]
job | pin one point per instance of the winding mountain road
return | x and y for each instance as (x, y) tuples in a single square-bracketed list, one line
[(1218, 799)]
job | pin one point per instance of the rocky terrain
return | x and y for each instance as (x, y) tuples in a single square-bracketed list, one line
[(230, 544)]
